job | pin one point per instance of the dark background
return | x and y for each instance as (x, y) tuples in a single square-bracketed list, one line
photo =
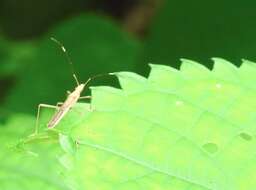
[(109, 36)]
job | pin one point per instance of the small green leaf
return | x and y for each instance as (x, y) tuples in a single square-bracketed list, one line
[(67, 144)]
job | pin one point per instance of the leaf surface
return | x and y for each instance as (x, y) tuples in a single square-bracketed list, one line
[(187, 129), (32, 167)]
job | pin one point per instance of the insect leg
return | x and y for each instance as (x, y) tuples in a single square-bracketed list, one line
[(38, 113), (86, 97), (59, 104)]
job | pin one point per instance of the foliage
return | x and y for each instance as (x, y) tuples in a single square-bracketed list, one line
[(97, 46), (187, 129), (31, 167), (177, 129), (14, 56), (199, 30)]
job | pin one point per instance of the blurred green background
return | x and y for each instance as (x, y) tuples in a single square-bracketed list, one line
[(108, 36)]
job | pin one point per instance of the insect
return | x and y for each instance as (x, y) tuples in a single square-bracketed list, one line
[(64, 107)]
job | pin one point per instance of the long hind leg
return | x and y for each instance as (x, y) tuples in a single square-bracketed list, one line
[(38, 114)]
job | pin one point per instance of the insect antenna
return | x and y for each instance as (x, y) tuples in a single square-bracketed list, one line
[(67, 57), (98, 76)]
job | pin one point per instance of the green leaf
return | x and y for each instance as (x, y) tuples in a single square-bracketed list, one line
[(67, 143), (95, 45), (188, 129), (14, 57), (30, 165), (201, 29)]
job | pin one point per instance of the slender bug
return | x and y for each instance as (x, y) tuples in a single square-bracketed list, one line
[(73, 97)]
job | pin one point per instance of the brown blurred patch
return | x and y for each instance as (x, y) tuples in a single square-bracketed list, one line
[(139, 18)]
